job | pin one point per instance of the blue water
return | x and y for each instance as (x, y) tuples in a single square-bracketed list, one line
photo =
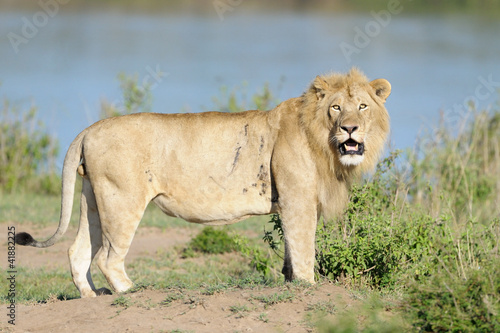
[(434, 63)]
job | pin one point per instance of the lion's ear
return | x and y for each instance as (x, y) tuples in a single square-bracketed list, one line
[(382, 88), (318, 86)]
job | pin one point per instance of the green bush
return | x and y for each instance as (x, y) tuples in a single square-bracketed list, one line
[(27, 152), (136, 98), (378, 238), (462, 293), (211, 240), (218, 241), (237, 101), (261, 260)]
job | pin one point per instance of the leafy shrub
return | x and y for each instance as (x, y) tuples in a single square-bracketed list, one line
[(237, 101), (377, 238), (463, 292), (260, 260), (27, 152), (136, 98), (218, 241), (210, 240), (268, 238)]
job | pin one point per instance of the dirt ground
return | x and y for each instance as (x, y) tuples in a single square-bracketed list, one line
[(234, 310)]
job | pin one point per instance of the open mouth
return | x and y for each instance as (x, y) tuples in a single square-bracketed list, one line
[(351, 147)]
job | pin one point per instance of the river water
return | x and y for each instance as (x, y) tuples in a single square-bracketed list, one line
[(67, 63)]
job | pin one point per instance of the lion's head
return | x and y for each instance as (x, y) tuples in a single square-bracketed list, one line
[(346, 118)]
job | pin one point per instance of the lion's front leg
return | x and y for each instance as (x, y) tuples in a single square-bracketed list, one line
[(296, 184), (299, 231)]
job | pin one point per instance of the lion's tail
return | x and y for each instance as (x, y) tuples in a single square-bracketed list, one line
[(71, 163)]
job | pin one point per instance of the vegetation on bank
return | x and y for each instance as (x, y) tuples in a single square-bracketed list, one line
[(27, 152), (420, 237), (209, 7)]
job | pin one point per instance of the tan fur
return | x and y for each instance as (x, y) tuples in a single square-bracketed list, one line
[(217, 168)]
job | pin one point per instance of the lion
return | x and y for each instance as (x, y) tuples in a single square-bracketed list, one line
[(298, 160)]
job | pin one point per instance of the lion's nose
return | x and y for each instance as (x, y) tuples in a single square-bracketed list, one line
[(349, 129)]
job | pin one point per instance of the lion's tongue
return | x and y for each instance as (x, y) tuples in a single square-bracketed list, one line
[(351, 146)]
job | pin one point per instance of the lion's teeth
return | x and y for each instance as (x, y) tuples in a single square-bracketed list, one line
[(351, 146)]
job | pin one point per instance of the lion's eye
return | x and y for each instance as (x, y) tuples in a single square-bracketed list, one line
[(362, 106), (335, 107)]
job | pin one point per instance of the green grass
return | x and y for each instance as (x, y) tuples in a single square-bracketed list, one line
[(211, 274), (370, 316), (172, 298), (214, 274), (239, 311), (40, 285), (31, 207), (276, 298), (122, 301), (456, 171), (324, 307)]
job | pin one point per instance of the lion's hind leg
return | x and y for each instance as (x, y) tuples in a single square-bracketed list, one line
[(87, 243), (111, 261), (119, 223)]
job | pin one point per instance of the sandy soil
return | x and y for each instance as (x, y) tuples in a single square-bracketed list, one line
[(236, 310)]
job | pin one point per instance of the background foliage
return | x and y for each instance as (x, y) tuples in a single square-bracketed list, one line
[(27, 152)]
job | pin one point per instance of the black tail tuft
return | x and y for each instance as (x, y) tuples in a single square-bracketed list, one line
[(23, 238)]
